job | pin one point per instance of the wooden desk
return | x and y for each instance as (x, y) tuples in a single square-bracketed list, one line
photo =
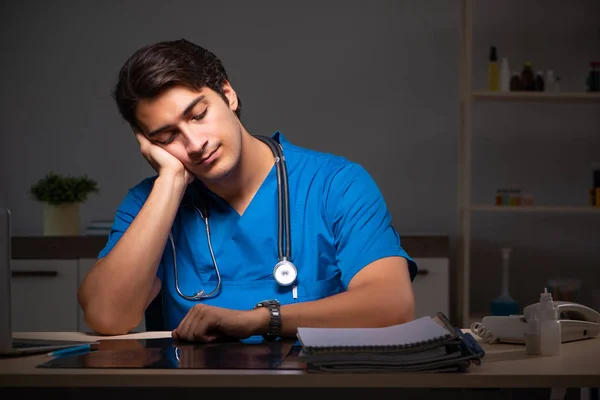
[(504, 366)]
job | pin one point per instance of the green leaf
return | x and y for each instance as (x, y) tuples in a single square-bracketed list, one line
[(59, 189)]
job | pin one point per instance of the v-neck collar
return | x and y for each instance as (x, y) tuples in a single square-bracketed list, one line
[(224, 207), (219, 205)]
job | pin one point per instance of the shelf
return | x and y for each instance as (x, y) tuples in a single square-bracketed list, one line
[(561, 97), (471, 98), (537, 209)]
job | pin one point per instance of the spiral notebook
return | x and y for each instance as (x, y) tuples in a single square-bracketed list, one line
[(416, 335)]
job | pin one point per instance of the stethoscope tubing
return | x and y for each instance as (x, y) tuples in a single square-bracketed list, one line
[(201, 294), (283, 221), (283, 224)]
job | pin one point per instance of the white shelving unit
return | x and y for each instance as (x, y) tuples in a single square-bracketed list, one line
[(466, 208)]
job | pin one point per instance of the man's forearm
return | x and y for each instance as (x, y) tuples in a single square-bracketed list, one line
[(379, 295), (115, 292), (362, 307)]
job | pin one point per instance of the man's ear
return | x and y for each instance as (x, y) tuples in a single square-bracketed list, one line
[(230, 95)]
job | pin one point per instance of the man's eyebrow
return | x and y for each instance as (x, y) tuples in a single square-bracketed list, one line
[(186, 111)]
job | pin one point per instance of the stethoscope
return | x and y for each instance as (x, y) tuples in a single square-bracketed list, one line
[(284, 272)]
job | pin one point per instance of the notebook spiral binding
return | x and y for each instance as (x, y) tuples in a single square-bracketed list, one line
[(440, 318), (375, 348)]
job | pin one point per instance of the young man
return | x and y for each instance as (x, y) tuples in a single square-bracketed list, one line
[(209, 220)]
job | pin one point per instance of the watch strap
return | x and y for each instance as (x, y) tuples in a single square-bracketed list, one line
[(274, 330)]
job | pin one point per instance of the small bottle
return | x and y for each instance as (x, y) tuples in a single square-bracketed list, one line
[(550, 330), (527, 78), (515, 82), (527, 199), (533, 344), (596, 174), (493, 77), (499, 197), (505, 304), (504, 76), (539, 81), (593, 79)]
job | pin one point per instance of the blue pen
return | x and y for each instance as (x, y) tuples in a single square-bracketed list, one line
[(71, 350)]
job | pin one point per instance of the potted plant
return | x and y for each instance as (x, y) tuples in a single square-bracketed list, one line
[(61, 196)]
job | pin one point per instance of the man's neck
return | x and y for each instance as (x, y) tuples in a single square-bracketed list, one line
[(256, 161)]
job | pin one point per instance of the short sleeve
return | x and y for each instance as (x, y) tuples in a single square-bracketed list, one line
[(126, 213), (361, 223)]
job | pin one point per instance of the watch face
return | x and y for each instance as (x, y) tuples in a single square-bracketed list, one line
[(266, 303)]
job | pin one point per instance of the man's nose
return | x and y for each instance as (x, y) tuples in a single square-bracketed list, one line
[(194, 141)]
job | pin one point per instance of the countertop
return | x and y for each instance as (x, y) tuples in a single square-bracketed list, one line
[(504, 366)]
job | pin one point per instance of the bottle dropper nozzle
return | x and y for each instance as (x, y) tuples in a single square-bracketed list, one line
[(546, 307)]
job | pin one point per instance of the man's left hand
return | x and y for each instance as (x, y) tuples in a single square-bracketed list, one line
[(209, 324)]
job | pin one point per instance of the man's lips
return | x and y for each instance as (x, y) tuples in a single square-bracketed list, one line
[(209, 157)]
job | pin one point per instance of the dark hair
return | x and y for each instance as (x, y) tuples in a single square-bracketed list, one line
[(157, 67)]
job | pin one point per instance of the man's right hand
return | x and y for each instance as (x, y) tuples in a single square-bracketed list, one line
[(161, 160)]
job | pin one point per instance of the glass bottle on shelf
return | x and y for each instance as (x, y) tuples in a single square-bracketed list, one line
[(493, 76), (527, 77), (515, 82), (593, 79), (539, 81), (505, 304)]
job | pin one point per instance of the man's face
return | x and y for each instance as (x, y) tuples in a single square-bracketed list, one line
[(197, 127)]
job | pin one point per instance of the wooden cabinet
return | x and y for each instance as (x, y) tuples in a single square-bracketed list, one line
[(44, 295), (47, 273)]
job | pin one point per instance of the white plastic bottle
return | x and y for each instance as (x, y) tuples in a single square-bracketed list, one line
[(504, 76), (532, 336), (550, 331), (533, 340)]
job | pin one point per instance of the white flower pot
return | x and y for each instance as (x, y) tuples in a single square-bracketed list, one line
[(61, 220)]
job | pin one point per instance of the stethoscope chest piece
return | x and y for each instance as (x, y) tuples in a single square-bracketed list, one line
[(285, 273)]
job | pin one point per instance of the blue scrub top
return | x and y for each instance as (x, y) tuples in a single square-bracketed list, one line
[(339, 224)]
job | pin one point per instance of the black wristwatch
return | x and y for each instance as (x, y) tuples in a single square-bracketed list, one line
[(275, 322)]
